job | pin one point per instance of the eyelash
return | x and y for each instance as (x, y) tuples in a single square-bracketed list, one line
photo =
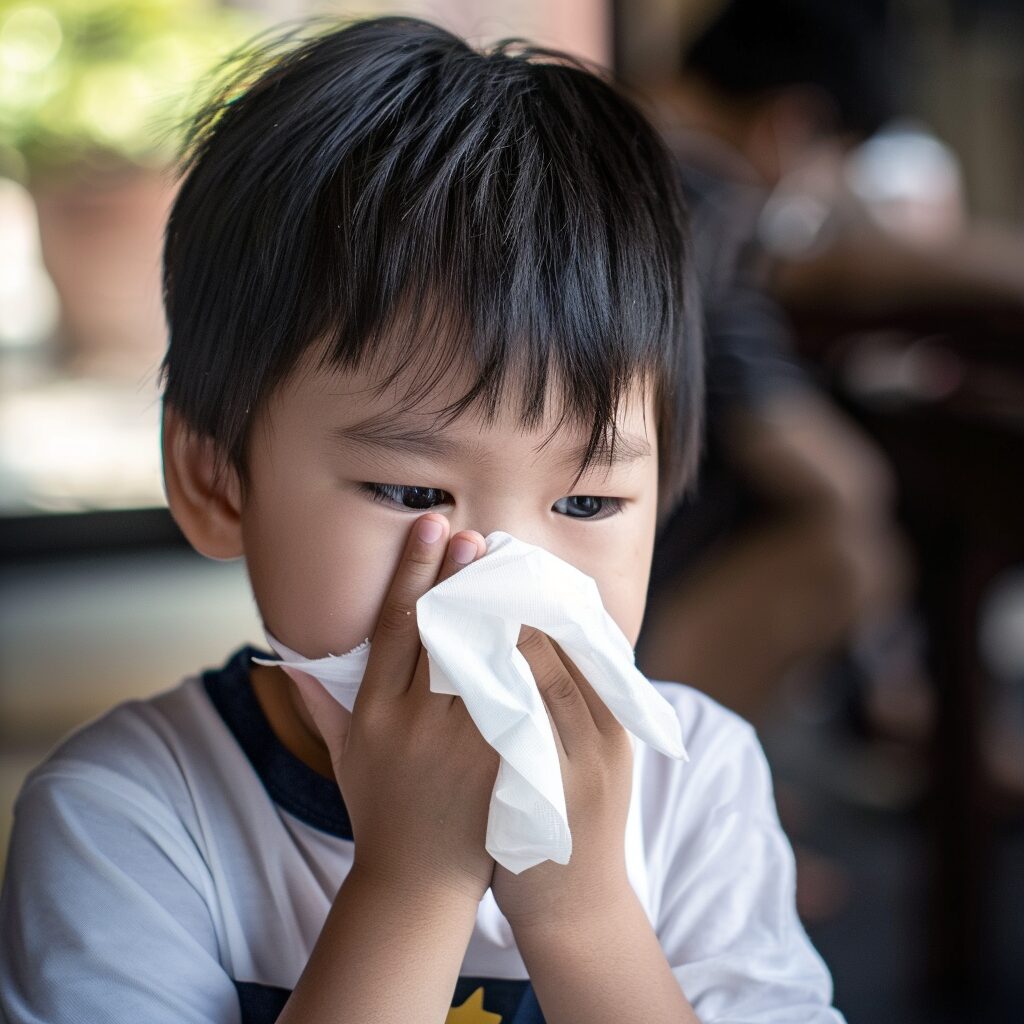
[(386, 494)]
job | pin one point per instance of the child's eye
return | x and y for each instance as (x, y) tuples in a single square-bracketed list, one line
[(589, 507), (420, 498)]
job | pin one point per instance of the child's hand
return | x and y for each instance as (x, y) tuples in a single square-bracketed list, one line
[(597, 766), (415, 773)]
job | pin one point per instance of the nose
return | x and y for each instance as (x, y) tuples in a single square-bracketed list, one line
[(520, 523)]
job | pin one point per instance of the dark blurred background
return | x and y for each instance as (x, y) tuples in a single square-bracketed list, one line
[(849, 574)]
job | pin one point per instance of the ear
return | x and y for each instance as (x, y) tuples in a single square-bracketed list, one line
[(206, 509)]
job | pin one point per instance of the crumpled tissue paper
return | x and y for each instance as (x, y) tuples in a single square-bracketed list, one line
[(469, 625)]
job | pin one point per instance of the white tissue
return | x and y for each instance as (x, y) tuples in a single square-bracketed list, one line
[(469, 625)]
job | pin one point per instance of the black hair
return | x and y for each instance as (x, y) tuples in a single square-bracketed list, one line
[(383, 173), (753, 47)]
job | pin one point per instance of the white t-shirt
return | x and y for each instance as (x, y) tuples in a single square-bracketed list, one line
[(173, 863)]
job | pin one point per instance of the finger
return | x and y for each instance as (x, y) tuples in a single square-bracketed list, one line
[(568, 709), (563, 758), (395, 644), (462, 549), (599, 711)]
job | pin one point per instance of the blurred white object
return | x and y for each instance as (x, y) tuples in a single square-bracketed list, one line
[(792, 225), (885, 370), (1001, 641), (910, 181), (29, 308), (1001, 635), (798, 218), (78, 444)]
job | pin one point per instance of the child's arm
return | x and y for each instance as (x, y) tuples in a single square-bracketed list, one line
[(110, 910), (416, 776), (604, 966), (586, 941), (388, 951), (727, 945)]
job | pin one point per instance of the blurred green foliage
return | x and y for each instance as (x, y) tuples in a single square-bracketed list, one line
[(105, 80)]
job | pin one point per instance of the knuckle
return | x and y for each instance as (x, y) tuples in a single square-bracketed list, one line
[(421, 560), (552, 679), (397, 617), (533, 645), (558, 687)]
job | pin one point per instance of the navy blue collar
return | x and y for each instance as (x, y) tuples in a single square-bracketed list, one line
[(291, 783)]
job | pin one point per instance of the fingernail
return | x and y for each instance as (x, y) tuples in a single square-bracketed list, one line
[(428, 530), (463, 550)]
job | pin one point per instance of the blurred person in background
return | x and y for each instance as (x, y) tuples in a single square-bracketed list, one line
[(788, 552), (805, 195), (790, 542)]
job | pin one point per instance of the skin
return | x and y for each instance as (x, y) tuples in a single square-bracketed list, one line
[(329, 566), (313, 540)]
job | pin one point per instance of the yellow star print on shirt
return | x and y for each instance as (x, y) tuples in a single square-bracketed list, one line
[(472, 1011)]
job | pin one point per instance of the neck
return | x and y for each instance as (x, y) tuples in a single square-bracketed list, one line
[(289, 718)]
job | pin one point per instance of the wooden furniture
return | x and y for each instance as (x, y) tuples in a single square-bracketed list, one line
[(952, 422)]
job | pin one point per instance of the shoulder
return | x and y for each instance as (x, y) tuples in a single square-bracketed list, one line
[(109, 886), (722, 874), (708, 727), (135, 738), (114, 792), (143, 758), (123, 805), (719, 743), (726, 769)]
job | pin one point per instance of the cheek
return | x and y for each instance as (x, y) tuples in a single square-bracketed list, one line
[(319, 566), (623, 595), (621, 571)]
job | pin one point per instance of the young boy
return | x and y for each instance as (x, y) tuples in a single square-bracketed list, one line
[(416, 293)]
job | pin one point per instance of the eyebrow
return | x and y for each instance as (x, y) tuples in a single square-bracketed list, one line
[(381, 432)]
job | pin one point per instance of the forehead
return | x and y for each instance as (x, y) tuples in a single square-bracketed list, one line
[(363, 413), (429, 383)]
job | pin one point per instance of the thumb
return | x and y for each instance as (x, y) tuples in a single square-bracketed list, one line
[(330, 718)]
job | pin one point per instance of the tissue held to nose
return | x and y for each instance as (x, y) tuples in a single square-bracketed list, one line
[(469, 625)]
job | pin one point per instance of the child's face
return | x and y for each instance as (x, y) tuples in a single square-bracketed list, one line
[(321, 551)]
